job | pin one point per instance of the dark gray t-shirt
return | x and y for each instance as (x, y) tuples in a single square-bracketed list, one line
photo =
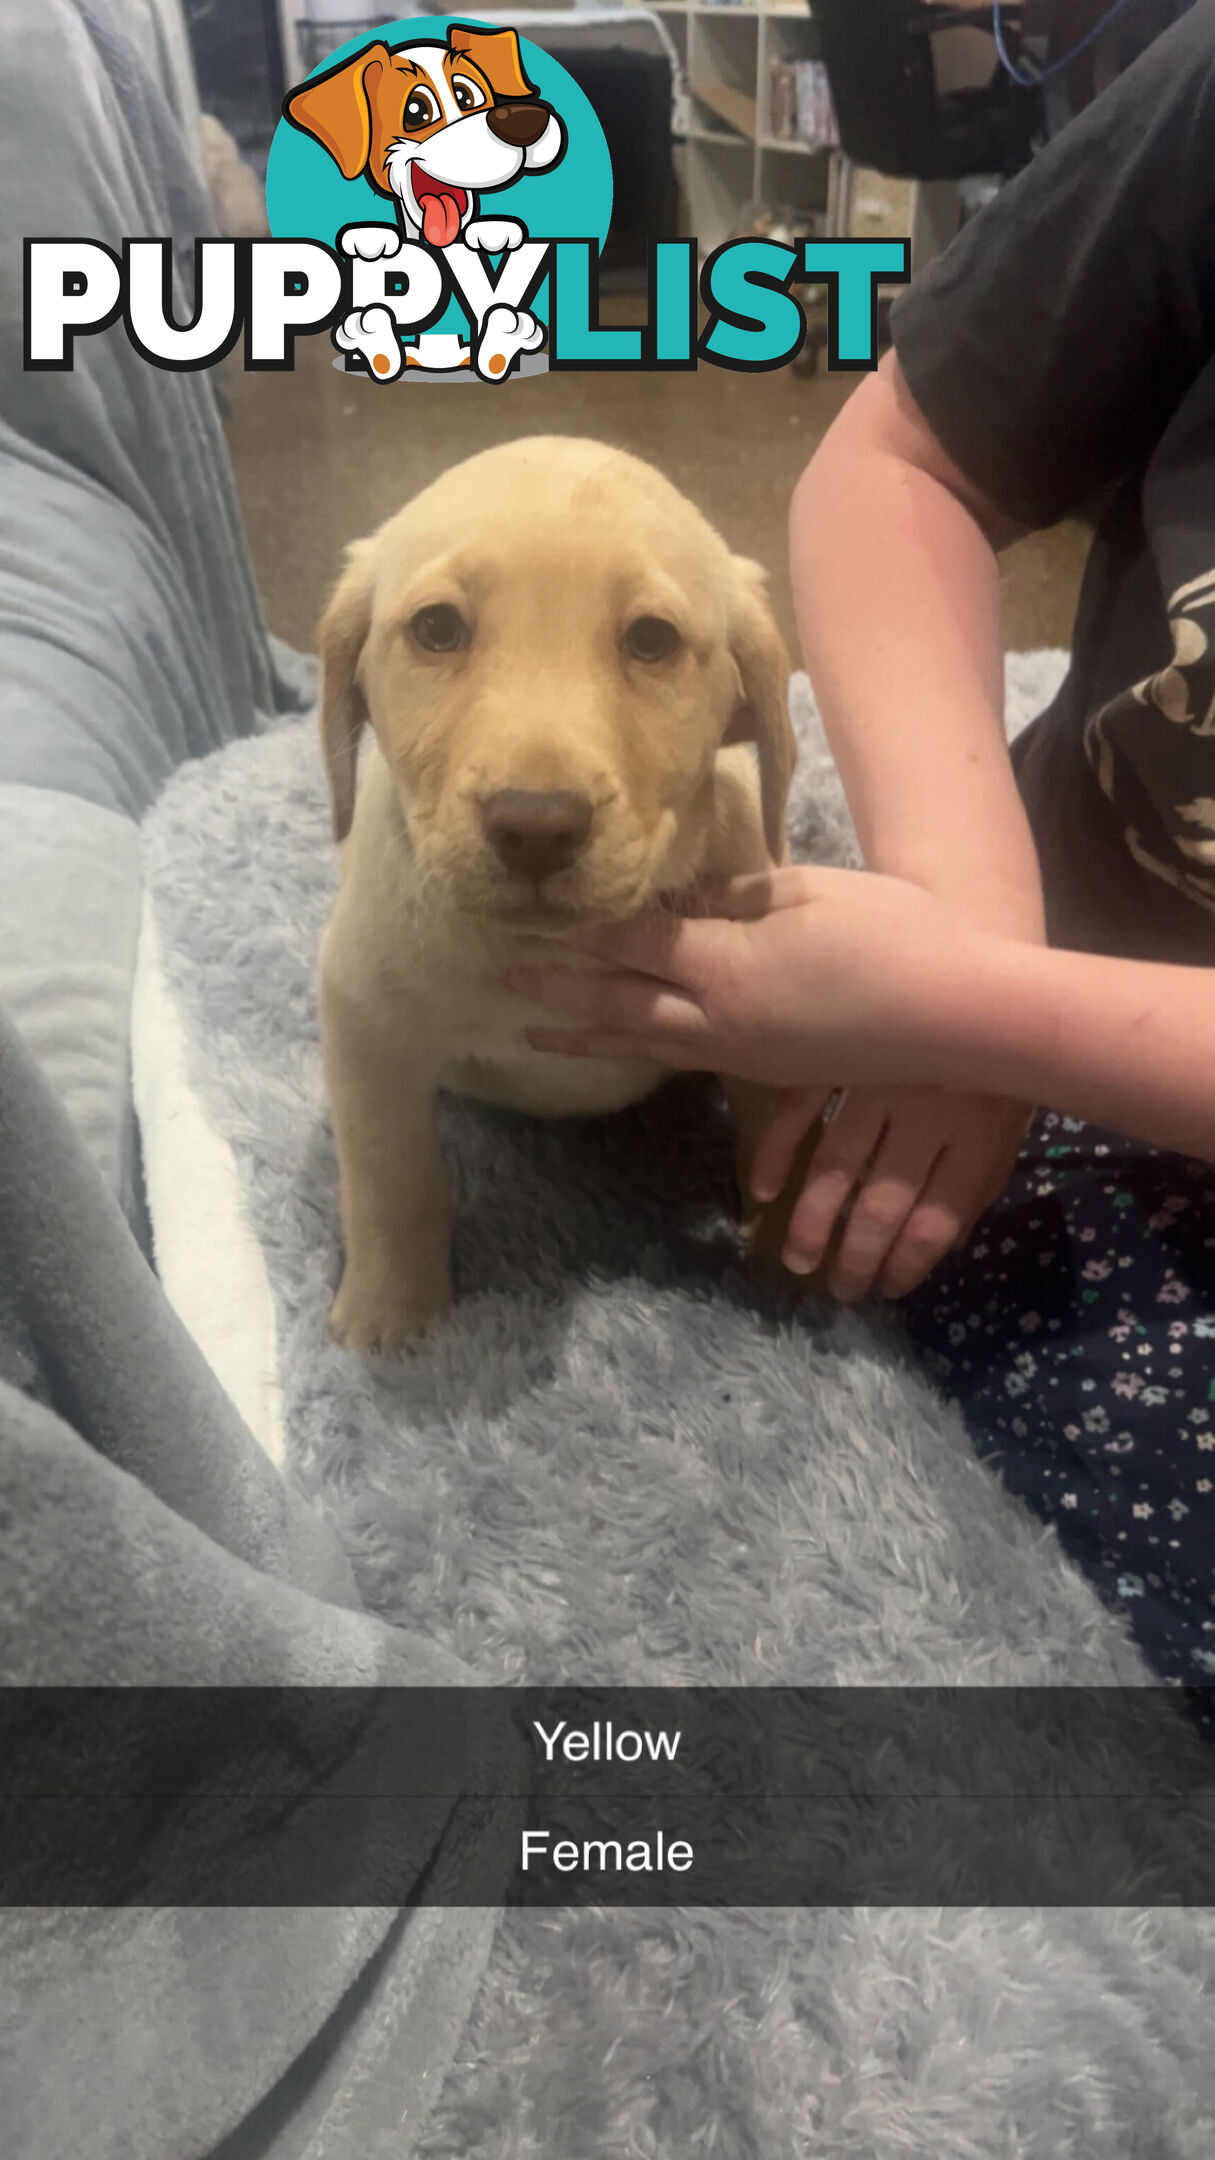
[(1063, 350)]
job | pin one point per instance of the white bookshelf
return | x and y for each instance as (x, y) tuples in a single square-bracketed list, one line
[(723, 121)]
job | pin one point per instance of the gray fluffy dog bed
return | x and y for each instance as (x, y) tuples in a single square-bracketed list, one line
[(617, 1463)]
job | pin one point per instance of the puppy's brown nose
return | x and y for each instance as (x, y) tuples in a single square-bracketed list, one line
[(536, 832), (518, 125)]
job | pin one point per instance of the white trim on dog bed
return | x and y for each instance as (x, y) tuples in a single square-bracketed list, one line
[(208, 1258)]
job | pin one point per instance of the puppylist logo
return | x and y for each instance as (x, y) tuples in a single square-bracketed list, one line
[(438, 197)]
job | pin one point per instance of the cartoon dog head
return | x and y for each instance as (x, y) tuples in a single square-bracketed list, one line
[(432, 125)]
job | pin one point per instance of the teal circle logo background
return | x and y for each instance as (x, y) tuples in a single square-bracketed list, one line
[(307, 198)]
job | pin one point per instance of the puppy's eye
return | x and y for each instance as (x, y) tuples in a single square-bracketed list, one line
[(651, 638), (420, 109), (468, 95), (440, 629)]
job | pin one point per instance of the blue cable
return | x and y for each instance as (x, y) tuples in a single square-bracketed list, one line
[(1029, 78)]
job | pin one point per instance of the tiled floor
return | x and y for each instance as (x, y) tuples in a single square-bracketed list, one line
[(321, 459)]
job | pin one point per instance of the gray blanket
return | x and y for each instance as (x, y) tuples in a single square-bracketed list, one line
[(147, 1540), (617, 1462)]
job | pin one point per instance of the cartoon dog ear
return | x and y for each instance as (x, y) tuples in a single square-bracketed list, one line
[(340, 641), (497, 54), (762, 717), (336, 109)]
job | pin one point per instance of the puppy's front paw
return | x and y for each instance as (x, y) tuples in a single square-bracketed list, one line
[(371, 243), (491, 235), (381, 1309)]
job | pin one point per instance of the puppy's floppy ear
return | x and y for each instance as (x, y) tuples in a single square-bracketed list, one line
[(336, 109), (340, 641), (497, 54), (762, 717)]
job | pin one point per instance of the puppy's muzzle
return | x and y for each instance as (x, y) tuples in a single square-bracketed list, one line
[(518, 125), (534, 833)]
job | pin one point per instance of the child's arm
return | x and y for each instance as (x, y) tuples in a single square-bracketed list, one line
[(1123, 1043), (897, 596), (1048, 349), (811, 977)]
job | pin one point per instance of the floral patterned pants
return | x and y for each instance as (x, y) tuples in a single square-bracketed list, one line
[(1076, 1332)]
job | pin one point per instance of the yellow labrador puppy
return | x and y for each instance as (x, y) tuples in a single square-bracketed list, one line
[(557, 656)]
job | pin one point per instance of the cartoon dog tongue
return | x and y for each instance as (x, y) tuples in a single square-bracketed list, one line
[(440, 208)]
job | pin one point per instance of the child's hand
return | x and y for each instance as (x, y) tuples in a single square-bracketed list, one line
[(805, 978), (810, 979), (919, 1165)]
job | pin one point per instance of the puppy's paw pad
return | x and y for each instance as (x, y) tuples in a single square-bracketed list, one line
[(373, 333), (491, 235), (505, 333), (378, 1313), (371, 243)]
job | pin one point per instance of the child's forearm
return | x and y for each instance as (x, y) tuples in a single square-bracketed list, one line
[(1122, 1043), (897, 595)]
